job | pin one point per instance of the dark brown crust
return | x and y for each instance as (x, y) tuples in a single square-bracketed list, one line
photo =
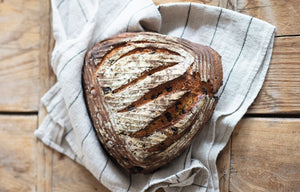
[(197, 90)]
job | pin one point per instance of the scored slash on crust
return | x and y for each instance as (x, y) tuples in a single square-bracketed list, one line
[(154, 94)]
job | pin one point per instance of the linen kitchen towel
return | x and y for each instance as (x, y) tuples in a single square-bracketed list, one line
[(245, 44)]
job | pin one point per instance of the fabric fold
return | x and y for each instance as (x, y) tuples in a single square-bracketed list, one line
[(245, 44)]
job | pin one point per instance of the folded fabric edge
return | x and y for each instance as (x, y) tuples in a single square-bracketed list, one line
[(41, 133), (50, 94), (255, 88), (212, 7), (179, 180)]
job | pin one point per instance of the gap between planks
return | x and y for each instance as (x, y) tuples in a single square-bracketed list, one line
[(247, 115), (278, 36), (20, 113)]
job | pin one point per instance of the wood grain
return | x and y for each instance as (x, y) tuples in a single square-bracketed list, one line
[(44, 154), (17, 152), (265, 155), (19, 55), (43, 166), (281, 13), (281, 89), (223, 166), (228, 4), (70, 176)]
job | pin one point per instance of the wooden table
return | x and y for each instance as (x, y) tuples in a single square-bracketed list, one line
[(263, 153)]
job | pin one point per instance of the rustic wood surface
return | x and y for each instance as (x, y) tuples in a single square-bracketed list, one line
[(44, 154), (284, 14), (19, 55), (223, 163), (281, 90), (265, 155), (73, 177), (17, 171), (262, 155)]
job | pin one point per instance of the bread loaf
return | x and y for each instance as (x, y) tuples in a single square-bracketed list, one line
[(149, 95)]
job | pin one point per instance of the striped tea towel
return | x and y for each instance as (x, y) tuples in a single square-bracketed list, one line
[(245, 44)]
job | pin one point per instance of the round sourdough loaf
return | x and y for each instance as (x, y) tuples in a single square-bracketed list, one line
[(149, 95)]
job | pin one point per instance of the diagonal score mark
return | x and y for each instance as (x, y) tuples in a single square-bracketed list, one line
[(143, 76), (160, 90), (151, 127)]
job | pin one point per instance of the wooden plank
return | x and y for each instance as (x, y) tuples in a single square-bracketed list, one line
[(44, 154), (281, 13), (228, 4), (47, 76), (70, 176), (19, 55), (43, 164), (223, 165), (265, 155), (281, 90), (17, 152)]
